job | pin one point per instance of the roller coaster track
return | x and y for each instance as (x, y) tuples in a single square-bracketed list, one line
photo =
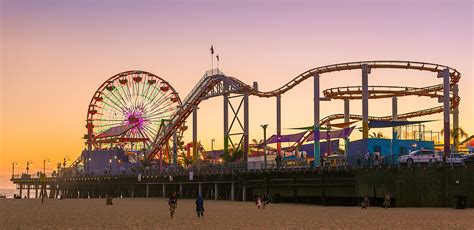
[(215, 83)]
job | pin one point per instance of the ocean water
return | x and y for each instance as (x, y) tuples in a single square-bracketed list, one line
[(9, 192)]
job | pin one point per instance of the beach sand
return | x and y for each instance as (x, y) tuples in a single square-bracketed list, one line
[(152, 213)]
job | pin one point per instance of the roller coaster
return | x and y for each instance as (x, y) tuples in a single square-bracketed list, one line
[(214, 83)]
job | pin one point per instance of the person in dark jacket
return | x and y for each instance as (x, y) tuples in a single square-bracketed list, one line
[(200, 206), (173, 203)]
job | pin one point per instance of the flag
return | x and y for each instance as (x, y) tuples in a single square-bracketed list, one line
[(212, 49), (217, 56)]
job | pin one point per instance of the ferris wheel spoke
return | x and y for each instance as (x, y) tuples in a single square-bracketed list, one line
[(154, 96), (124, 97), (157, 104), (111, 106), (153, 130), (145, 92), (149, 135), (128, 90), (158, 109), (105, 120), (109, 124), (106, 109), (121, 107), (122, 101)]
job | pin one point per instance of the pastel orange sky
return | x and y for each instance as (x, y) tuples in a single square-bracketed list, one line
[(55, 54)]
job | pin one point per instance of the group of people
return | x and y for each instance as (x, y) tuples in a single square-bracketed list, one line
[(173, 204), (374, 159), (365, 203), (262, 201)]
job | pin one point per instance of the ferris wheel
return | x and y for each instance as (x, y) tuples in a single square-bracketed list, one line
[(128, 109)]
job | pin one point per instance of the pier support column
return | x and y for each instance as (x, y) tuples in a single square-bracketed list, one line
[(456, 119), (316, 151), (147, 190), (346, 120), (21, 191), (244, 194), (278, 121), (36, 191), (365, 101), (180, 190), (394, 116), (195, 147), (216, 191), (164, 190), (28, 191), (132, 192), (200, 189), (232, 191), (246, 126)]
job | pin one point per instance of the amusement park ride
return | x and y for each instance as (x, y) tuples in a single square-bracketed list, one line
[(140, 112)]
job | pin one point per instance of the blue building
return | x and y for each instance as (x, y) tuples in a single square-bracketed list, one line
[(113, 161), (388, 149)]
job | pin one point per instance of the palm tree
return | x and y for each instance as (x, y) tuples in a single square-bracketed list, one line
[(256, 144), (376, 135), (454, 135)]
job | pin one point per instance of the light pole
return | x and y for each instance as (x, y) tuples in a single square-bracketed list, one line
[(264, 144), (28, 163), (65, 159), (14, 164), (212, 144), (43, 178), (44, 165)]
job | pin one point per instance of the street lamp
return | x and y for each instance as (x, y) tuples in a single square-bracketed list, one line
[(44, 165), (264, 144), (212, 144), (65, 159), (14, 164), (28, 163), (43, 189)]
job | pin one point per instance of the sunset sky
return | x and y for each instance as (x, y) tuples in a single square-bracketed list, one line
[(55, 54)]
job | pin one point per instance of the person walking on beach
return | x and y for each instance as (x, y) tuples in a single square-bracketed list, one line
[(386, 202), (200, 206), (173, 203), (264, 200), (258, 202), (365, 202)]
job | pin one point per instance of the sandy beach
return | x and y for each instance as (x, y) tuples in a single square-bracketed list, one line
[(153, 214)]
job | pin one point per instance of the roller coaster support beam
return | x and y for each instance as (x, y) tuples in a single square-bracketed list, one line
[(226, 118), (175, 148), (246, 125), (278, 121), (394, 116), (456, 119), (195, 149), (316, 151), (346, 119), (446, 91), (365, 101)]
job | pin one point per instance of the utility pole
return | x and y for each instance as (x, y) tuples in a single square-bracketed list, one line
[(264, 144)]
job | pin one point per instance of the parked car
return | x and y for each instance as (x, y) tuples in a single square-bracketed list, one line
[(454, 158), (469, 158), (420, 156)]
